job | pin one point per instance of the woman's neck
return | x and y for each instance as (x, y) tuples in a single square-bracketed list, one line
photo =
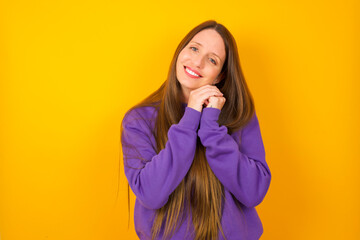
[(185, 95)]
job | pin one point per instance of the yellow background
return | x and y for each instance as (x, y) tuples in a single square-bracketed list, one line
[(70, 69)]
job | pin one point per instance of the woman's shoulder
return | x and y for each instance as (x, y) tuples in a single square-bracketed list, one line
[(143, 111), (145, 114), (251, 123)]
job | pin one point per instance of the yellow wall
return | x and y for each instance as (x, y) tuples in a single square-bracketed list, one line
[(70, 69)]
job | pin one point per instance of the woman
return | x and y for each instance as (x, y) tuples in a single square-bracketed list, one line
[(193, 152)]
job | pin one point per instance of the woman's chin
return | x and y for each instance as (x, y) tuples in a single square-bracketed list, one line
[(189, 87)]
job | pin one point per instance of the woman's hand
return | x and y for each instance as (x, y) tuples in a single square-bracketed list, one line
[(215, 102), (200, 96)]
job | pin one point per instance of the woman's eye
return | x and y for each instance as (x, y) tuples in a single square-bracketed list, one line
[(193, 48), (213, 61)]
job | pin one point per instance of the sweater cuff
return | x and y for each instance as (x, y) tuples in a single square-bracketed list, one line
[(209, 117), (190, 119)]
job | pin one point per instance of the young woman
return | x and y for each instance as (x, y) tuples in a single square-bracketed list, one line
[(193, 151)]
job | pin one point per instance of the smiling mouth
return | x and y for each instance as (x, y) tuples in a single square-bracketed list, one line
[(191, 73)]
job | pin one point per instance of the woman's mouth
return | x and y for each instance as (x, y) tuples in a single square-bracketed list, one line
[(191, 73)]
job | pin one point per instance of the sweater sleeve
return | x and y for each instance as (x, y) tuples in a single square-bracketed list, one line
[(241, 168), (151, 176)]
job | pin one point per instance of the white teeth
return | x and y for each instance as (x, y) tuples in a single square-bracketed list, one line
[(191, 72)]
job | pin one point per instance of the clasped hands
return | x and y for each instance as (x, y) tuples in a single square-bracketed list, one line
[(208, 95)]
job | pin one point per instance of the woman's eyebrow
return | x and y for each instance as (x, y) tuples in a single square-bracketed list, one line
[(212, 52)]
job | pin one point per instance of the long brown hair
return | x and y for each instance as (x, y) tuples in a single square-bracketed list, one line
[(200, 191)]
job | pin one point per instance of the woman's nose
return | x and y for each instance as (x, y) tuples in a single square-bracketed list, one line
[(198, 61)]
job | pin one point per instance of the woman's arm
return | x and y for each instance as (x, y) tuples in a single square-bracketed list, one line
[(242, 169), (153, 177)]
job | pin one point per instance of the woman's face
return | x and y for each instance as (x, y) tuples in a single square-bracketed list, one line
[(200, 62)]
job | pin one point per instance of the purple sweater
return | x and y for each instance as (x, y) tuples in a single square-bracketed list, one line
[(240, 167)]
